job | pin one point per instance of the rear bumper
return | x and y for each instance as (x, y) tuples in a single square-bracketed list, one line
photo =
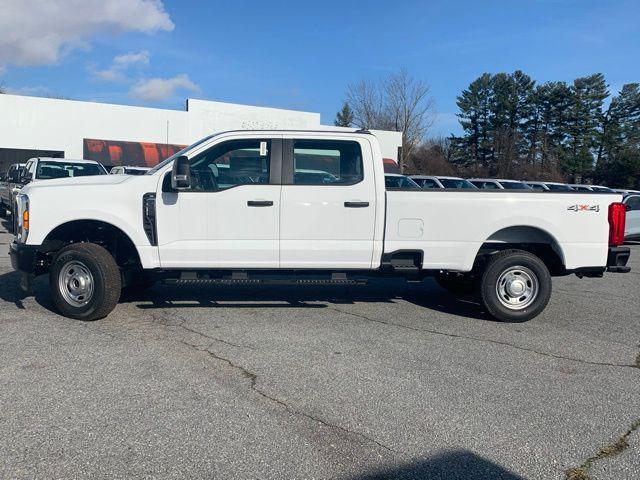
[(617, 259)]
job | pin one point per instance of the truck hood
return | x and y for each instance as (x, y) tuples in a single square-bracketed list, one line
[(77, 181)]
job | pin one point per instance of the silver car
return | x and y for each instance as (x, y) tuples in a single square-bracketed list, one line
[(499, 184), (430, 181), (550, 186), (632, 225)]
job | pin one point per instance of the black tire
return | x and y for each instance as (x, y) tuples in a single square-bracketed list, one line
[(501, 275), (458, 284), (83, 264)]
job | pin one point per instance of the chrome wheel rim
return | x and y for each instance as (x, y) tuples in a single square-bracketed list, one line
[(75, 282), (517, 288)]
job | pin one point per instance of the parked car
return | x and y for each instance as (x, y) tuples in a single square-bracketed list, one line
[(126, 170), (499, 184), (395, 180), (45, 168), (95, 235), (428, 181), (591, 188), (550, 186), (632, 228), (626, 192), (9, 187)]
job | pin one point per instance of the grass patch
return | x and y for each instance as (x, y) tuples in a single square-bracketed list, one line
[(608, 451)]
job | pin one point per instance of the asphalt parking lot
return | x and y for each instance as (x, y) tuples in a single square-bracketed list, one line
[(386, 380)]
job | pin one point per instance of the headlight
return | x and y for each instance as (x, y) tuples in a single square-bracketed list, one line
[(22, 218)]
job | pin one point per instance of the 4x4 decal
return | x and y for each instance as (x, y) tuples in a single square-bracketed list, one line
[(584, 208)]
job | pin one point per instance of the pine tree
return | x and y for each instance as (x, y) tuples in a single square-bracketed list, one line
[(585, 121), (474, 104), (344, 118)]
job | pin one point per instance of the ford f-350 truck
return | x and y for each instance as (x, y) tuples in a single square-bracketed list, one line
[(304, 207)]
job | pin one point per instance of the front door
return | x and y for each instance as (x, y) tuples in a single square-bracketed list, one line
[(230, 216), (328, 208)]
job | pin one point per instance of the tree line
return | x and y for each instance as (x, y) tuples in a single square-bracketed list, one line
[(514, 127)]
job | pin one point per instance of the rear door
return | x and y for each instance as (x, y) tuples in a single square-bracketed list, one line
[(328, 208)]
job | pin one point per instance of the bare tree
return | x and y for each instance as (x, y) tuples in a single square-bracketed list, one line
[(398, 102), (365, 100), (432, 157)]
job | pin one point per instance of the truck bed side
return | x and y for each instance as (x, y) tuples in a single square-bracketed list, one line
[(450, 227)]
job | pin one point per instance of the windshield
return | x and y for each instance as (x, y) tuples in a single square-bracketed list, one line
[(456, 183), (559, 188), (400, 182), (48, 170), (177, 154), (515, 186)]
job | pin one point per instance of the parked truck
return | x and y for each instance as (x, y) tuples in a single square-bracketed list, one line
[(9, 187), (240, 206)]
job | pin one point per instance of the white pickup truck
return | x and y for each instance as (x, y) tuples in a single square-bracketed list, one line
[(304, 207)]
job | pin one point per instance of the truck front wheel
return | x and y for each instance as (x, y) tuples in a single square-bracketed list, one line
[(515, 286), (85, 281)]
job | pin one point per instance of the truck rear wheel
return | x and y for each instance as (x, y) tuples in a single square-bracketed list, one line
[(515, 286), (85, 281)]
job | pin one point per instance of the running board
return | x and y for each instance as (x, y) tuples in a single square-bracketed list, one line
[(241, 278)]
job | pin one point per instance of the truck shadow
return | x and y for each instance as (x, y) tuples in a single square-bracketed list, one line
[(425, 294), (450, 465)]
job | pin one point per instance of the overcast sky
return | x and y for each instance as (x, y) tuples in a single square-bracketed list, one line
[(302, 55)]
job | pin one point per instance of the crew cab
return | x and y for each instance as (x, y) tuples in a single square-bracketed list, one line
[(233, 207)]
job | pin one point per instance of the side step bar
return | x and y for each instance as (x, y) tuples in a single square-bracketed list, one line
[(241, 278)]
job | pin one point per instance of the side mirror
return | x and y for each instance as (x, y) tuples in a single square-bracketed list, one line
[(181, 174)]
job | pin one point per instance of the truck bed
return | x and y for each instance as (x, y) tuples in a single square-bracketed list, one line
[(450, 226)]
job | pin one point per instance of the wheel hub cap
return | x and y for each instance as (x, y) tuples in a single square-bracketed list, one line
[(517, 288), (76, 283)]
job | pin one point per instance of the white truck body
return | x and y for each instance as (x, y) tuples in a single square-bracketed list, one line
[(310, 227)]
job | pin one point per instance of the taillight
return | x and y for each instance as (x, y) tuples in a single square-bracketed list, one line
[(617, 218)]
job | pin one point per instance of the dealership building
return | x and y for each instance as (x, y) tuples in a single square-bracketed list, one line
[(131, 135)]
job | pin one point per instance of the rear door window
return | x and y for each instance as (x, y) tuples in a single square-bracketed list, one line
[(327, 162)]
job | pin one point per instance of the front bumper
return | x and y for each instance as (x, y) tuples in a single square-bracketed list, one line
[(617, 259), (23, 257), (27, 260)]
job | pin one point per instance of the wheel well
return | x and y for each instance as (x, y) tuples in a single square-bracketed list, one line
[(114, 240), (530, 239)]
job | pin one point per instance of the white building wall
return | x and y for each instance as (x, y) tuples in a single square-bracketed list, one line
[(56, 124)]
